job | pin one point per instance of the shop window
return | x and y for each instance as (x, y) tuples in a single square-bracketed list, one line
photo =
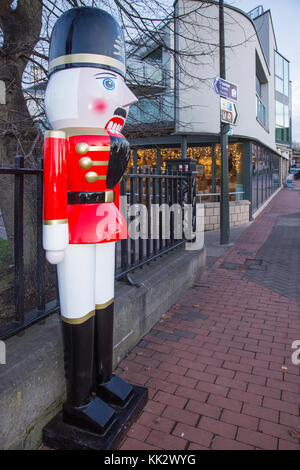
[(265, 174), (208, 177)]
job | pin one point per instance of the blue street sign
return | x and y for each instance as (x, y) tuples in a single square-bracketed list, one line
[(225, 89)]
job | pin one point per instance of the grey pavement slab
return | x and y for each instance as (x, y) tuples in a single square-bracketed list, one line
[(212, 243), (280, 255)]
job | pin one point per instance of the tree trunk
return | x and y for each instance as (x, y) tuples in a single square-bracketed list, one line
[(18, 133)]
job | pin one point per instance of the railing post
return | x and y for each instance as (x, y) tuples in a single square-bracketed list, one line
[(156, 202), (167, 200), (19, 240), (172, 198), (124, 243), (160, 201), (41, 303), (135, 160), (148, 205), (141, 201), (194, 203), (133, 200)]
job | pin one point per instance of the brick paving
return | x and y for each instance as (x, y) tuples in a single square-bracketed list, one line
[(218, 364)]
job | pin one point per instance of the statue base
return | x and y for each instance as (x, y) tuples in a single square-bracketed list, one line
[(62, 436)]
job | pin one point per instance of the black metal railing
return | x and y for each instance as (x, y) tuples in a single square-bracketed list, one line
[(149, 190), (42, 309), (162, 231)]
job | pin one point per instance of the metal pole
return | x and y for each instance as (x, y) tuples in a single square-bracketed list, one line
[(224, 202), (184, 146), (213, 172), (135, 160), (19, 241)]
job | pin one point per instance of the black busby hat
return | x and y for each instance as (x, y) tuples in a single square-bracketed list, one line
[(87, 37)]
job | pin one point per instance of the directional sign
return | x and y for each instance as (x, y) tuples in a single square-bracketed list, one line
[(225, 89), (229, 112)]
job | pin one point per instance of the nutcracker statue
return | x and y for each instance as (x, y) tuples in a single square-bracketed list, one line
[(85, 157)]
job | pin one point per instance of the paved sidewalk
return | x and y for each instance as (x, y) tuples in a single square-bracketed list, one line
[(218, 364)]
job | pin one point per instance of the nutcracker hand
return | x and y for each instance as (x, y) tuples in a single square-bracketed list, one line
[(55, 257)]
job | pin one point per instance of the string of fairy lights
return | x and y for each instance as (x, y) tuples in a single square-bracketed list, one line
[(146, 158)]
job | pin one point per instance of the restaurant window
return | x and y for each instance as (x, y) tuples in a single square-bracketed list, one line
[(208, 178)]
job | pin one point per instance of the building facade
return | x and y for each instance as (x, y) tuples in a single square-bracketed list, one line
[(178, 114)]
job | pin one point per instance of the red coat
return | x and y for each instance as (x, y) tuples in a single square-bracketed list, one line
[(75, 168)]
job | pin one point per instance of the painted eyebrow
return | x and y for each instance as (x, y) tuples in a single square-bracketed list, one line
[(105, 74)]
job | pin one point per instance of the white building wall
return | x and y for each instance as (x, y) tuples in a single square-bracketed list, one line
[(198, 104)]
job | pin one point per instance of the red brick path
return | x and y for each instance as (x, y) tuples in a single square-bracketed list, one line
[(218, 364)]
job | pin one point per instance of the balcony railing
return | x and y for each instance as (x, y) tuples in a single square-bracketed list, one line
[(261, 112), (154, 109), (144, 73)]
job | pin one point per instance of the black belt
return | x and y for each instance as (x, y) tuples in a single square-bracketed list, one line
[(83, 197)]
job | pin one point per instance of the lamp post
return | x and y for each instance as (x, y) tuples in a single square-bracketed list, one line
[(224, 202)]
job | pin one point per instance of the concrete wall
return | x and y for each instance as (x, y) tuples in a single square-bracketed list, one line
[(32, 383), (199, 105), (239, 214)]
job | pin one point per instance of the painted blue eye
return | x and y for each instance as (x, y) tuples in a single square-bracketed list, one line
[(108, 83)]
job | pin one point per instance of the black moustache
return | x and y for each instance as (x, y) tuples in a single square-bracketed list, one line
[(120, 112)]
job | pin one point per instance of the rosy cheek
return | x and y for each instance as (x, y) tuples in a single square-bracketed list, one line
[(99, 106)]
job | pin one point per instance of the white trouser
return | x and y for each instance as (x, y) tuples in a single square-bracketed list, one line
[(86, 280)]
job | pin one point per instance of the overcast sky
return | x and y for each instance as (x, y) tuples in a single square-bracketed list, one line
[(286, 21)]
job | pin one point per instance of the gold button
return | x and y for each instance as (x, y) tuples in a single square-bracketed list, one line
[(85, 163), (82, 148), (91, 177)]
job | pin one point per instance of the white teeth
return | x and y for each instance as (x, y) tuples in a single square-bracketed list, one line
[(119, 127), (110, 124), (114, 126)]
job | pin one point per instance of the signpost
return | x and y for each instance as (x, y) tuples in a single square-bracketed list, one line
[(228, 93), (224, 200)]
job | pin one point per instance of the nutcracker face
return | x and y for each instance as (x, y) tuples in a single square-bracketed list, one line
[(88, 97)]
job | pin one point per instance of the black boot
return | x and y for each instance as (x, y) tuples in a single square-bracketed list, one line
[(82, 409), (110, 388)]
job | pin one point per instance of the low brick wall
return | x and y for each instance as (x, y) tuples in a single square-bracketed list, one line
[(239, 214)]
